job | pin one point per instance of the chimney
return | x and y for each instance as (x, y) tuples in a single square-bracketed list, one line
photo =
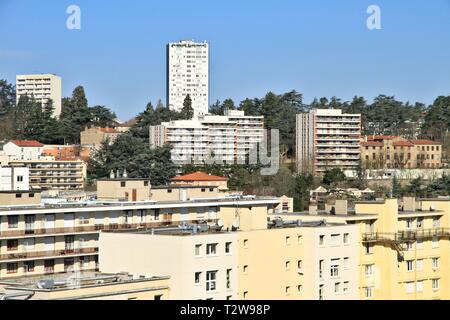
[(313, 210), (125, 174), (341, 207), (111, 174)]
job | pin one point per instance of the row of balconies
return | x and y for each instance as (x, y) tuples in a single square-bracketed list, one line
[(46, 254)]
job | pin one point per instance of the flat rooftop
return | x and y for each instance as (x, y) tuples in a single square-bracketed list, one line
[(67, 281)]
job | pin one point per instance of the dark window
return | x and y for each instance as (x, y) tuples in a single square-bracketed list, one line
[(13, 221), (211, 189), (123, 184), (31, 195), (18, 195), (12, 245), (169, 190), (158, 297), (11, 267), (146, 183), (28, 266), (203, 190)]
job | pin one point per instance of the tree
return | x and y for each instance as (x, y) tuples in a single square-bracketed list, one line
[(7, 98), (333, 177), (102, 117), (396, 188), (303, 184), (187, 113)]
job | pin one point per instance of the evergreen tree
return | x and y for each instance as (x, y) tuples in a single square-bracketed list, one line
[(187, 113)]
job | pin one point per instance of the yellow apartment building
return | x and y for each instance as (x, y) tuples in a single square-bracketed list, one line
[(404, 247)]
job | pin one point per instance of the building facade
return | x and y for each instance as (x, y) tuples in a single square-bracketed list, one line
[(26, 150), (228, 139), (43, 87), (327, 139), (188, 74), (393, 152), (14, 178)]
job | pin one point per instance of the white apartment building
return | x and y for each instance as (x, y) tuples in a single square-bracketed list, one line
[(228, 138), (202, 266), (327, 139), (188, 73), (14, 178), (42, 87)]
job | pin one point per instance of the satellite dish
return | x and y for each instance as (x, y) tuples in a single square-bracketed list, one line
[(236, 224), (220, 223)]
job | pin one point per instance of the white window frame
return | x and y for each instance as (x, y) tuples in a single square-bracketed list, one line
[(211, 281), (211, 249)]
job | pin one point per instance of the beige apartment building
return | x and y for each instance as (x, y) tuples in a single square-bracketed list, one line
[(327, 139), (44, 238), (95, 136), (43, 87), (50, 174), (393, 152)]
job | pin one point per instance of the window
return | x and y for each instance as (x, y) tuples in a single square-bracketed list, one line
[(409, 287), (288, 265), (299, 265), (28, 266), (229, 297), (368, 292), (123, 184), (19, 178), (345, 287), (18, 195), (346, 262), (288, 290), (197, 249), (321, 240), (288, 240), (197, 277), (203, 190), (12, 245), (84, 262), (435, 263), (436, 222), (409, 265), (169, 190), (13, 222), (419, 265), (435, 242), (409, 246), (334, 268), (321, 292), (228, 247), (246, 243), (245, 269), (158, 297), (420, 222), (409, 223), (211, 249), (299, 239), (419, 286), (346, 238), (369, 269), (369, 248), (211, 280), (299, 288), (435, 284), (11, 267), (321, 262), (229, 278), (337, 287), (335, 239), (245, 294)]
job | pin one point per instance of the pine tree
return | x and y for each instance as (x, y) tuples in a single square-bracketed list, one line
[(187, 113)]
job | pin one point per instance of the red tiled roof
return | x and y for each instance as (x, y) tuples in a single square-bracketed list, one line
[(381, 137), (199, 176), (425, 142), (109, 130), (402, 144), (27, 143), (372, 144)]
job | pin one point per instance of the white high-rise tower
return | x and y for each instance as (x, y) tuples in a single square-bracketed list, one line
[(188, 74)]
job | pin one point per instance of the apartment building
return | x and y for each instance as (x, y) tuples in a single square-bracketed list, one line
[(12, 178), (86, 285), (393, 152), (43, 87), (327, 139), (48, 237), (403, 246), (188, 74), (201, 179), (229, 259), (50, 174), (227, 139)]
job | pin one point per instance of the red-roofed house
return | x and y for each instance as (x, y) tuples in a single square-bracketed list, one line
[(201, 179), (23, 150)]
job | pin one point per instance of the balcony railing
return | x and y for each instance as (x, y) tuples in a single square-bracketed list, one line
[(406, 235), (93, 228), (42, 254)]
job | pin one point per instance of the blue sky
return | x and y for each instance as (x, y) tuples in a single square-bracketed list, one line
[(318, 47)]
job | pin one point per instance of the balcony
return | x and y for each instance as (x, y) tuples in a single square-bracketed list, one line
[(406, 235), (46, 254)]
